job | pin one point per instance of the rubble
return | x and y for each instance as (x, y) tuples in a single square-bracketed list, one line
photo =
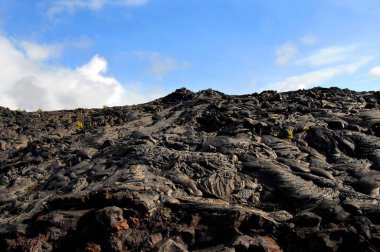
[(205, 171)]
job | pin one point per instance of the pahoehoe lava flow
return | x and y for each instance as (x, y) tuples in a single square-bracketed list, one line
[(195, 171)]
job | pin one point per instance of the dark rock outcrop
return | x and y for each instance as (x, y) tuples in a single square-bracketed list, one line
[(294, 171)]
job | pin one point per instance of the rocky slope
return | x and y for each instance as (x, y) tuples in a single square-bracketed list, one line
[(295, 171)]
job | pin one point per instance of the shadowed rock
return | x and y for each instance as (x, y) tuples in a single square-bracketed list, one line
[(205, 171)]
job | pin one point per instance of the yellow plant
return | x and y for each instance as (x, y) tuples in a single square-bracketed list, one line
[(290, 134), (80, 125)]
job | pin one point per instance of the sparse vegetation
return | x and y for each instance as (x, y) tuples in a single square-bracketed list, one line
[(290, 134), (79, 125)]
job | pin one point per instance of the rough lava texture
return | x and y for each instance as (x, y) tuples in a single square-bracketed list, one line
[(295, 171)]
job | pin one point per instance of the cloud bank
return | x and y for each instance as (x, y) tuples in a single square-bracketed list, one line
[(28, 82), (41, 52)]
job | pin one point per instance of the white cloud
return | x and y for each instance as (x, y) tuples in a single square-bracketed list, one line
[(59, 6), (253, 82), (41, 52), (286, 53), (161, 65), (134, 2), (316, 78), (81, 43), (375, 71), (44, 52), (328, 55), (29, 84), (71, 6), (309, 40)]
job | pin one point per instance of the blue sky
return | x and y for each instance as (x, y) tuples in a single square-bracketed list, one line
[(57, 54)]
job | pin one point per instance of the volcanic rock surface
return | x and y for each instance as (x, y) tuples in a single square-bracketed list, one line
[(295, 171)]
